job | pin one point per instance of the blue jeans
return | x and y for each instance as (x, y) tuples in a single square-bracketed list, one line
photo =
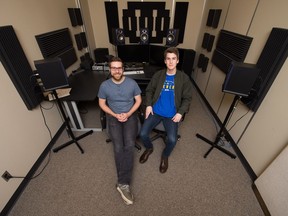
[(171, 129), (123, 136)]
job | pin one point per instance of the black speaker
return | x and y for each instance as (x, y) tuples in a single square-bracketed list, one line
[(240, 78), (101, 55), (144, 36), (172, 37), (52, 73), (75, 16), (188, 61), (118, 36)]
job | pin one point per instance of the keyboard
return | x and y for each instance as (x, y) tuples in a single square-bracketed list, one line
[(133, 72)]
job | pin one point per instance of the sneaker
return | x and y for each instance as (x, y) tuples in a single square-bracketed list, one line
[(125, 192)]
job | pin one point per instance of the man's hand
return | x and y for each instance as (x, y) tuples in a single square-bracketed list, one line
[(148, 111), (122, 117), (177, 117)]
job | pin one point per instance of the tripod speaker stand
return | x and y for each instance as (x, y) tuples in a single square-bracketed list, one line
[(68, 127), (53, 76), (214, 144), (239, 81)]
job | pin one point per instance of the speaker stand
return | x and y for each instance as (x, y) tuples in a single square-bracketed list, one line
[(220, 133), (74, 139)]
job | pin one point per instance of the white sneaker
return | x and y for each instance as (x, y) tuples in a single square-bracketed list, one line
[(125, 192)]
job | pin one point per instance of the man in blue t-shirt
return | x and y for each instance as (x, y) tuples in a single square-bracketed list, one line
[(168, 97), (119, 98)]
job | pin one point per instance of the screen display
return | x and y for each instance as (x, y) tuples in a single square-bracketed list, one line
[(133, 53)]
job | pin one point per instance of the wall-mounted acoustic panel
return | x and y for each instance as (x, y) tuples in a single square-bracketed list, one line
[(172, 37), (18, 68), (111, 9), (205, 64), (75, 16), (205, 40), (213, 18), (57, 44), (81, 40), (181, 9), (271, 59), (210, 43), (216, 18), (230, 46), (200, 60), (240, 78), (188, 61)]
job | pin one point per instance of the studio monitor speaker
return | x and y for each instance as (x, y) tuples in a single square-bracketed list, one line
[(52, 73), (240, 78), (144, 36), (118, 36), (172, 37)]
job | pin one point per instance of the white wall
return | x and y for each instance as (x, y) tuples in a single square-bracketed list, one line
[(23, 133)]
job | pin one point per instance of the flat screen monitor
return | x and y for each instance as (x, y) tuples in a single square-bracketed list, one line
[(52, 73), (157, 55), (133, 53)]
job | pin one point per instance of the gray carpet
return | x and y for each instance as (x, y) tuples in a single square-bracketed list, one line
[(77, 184)]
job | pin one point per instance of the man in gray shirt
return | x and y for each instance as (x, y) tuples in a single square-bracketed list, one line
[(119, 97)]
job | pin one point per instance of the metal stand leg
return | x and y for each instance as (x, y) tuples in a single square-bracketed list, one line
[(220, 133), (69, 130)]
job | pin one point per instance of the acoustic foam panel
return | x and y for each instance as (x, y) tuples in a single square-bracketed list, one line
[(180, 17), (111, 9), (18, 68)]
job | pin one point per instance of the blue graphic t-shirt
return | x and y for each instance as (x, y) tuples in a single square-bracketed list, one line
[(165, 106)]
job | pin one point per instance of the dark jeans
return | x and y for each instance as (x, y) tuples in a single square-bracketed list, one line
[(123, 136), (171, 129)]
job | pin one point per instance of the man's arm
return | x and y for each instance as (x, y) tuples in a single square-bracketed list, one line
[(105, 108)]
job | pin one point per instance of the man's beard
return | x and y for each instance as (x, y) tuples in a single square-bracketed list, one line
[(117, 77)]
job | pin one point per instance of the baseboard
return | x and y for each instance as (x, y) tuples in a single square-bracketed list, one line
[(32, 171), (239, 154), (260, 200)]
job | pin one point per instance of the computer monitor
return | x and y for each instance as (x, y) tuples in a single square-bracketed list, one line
[(157, 55), (133, 53), (52, 73)]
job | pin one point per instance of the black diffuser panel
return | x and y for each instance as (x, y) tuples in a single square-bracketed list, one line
[(181, 10), (205, 40), (81, 40), (234, 44), (221, 60), (272, 58), (75, 16), (200, 60), (205, 64), (57, 44), (210, 43), (188, 61), (111, 9), (18, 68)]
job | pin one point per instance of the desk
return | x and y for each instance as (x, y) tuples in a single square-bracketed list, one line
[(84, 87)]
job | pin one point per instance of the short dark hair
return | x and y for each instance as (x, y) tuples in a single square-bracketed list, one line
[(171, 50), (115, 59)]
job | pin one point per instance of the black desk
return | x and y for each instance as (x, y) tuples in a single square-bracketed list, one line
[(84, 87)]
